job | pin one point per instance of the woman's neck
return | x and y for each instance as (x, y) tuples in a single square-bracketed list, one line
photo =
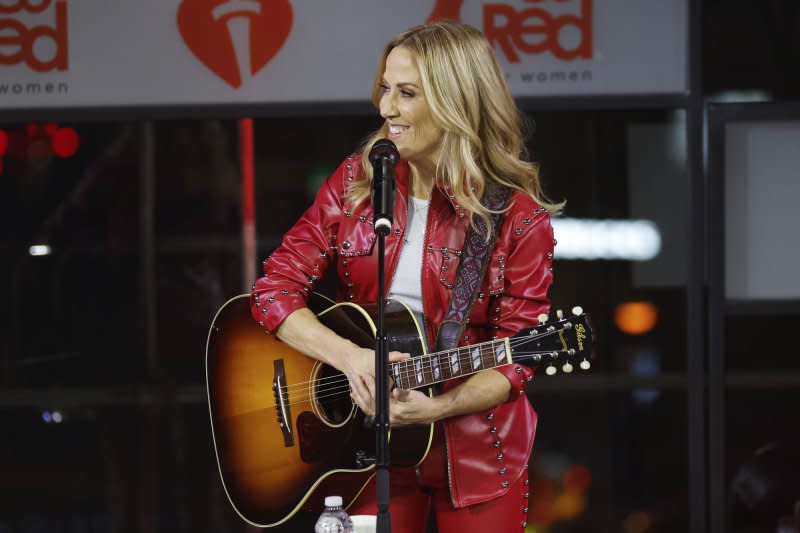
[(421, 180)]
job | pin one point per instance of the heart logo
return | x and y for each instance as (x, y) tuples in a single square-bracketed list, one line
[(226, 35), (446, 10)]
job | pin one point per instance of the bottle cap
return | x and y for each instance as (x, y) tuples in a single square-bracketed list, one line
[(333, 501)]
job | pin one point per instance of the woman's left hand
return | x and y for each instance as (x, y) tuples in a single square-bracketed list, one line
[(412, 407)]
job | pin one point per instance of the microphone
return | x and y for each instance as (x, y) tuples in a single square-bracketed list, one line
[(384, 157)]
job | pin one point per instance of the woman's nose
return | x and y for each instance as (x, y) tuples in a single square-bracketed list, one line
[(388, 109)]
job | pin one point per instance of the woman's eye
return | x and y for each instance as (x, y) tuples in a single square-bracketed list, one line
[(407, 94)]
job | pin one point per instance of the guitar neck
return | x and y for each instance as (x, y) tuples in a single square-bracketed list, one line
[(434, 368)]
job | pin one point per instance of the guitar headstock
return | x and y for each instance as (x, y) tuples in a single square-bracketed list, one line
[(563, 340)]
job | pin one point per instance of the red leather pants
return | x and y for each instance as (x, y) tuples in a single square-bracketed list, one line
[(415, 491)]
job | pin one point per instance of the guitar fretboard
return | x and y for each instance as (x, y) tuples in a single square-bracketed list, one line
[(440, 366)]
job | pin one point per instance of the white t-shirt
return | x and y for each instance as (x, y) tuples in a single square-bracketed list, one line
[(407, 282)]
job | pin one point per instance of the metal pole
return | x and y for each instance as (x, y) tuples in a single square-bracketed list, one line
[(147, 247), (695, 367), (248, 203)]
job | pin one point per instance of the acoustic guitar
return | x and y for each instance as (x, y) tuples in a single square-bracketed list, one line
[(286, 432)]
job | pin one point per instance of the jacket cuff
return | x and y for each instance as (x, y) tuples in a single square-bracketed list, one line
[(518, 376), (271, 307)]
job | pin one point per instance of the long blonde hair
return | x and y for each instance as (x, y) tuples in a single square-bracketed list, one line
[(471, 103)]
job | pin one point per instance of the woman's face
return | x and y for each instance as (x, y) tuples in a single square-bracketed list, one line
[(406, 111)]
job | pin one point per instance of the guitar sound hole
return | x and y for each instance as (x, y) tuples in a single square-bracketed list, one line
[(333, 396)]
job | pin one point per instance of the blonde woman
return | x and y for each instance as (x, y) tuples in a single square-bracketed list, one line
[(447, 107)]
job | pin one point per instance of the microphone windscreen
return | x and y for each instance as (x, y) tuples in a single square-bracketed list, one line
[(383, 149)]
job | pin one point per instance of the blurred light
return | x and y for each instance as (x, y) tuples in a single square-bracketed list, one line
[(740, 96), (632, 240), (57, 417), (577, 478), (647, 363), (638, 522), (569, 504), (39, 249), (65, 142), (31, 129), (50, 128), (636, 318), (47, 417), (3, 142)]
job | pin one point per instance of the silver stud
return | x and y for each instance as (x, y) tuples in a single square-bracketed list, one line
[(362, 218), (490, 416), (397, 231), (347, 212), (500, 456), (271, 299), (503, 470), (549, 255), (505, 484), (526, 482), (527, 221), (346, 245), (518, 370), (284, 292), (496, 444), (555, 242), (518, 231), (493, 429)]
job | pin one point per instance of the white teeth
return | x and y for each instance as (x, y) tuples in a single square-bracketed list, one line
[(396, 130)]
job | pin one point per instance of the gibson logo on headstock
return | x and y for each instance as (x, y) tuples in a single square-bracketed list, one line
[(580, 335)]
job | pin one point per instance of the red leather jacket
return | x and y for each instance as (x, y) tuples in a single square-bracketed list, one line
[(485, 450)]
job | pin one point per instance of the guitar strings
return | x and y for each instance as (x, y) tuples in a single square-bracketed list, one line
[(407, 372), (408, 367), (342, 388), (341, 384)]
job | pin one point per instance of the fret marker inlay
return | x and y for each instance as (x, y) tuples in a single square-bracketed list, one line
[(454, 363), (500, 352), (435, 366), (397, 375), (418, 367), (476, 358)]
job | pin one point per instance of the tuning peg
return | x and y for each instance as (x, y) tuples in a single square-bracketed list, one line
[(585, 365), (560, 314), (542, 318), (550, 370), (577, 310), (567, 368)]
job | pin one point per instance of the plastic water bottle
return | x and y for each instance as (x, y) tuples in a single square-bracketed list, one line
[(334, 519)]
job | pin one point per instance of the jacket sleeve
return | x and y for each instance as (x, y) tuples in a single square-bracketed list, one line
[(527, 276), (294, 268)]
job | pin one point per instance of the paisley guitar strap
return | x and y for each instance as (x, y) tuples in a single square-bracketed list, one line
[(474, 261)]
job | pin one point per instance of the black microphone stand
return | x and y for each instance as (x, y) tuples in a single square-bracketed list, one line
[(383, 202), (382, 399)]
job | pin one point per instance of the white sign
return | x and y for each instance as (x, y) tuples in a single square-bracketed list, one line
[(66, 53)]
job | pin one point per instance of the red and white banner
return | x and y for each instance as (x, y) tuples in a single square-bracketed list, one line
[(65, 53)]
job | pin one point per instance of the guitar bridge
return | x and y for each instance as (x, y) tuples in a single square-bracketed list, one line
[(281, 393)]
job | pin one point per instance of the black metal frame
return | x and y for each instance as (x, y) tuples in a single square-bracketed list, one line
[(691, 101), (719, 116)]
